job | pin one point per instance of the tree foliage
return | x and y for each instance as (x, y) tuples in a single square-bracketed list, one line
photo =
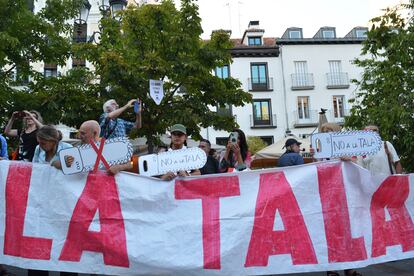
[(163, 43), (255, 144), (27, 38), (386, 95)]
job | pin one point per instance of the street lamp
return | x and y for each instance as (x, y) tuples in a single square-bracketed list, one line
[(116, 6), (83, 13), (104, 6)]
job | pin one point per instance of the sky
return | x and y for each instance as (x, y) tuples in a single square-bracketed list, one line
[(276, 16)]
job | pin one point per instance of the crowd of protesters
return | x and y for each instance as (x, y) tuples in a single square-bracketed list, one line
[(39, 143)]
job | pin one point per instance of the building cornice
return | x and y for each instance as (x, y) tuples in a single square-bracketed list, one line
[(319, 41), (256, 51)]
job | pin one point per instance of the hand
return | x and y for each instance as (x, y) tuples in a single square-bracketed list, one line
[(69, 160), (113, 170), (1, 158), (183, 173), (236, 149), (168, 176), (16, 114), (131, 102), (229, 146)]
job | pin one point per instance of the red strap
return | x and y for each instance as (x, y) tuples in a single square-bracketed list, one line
[(99, 156)]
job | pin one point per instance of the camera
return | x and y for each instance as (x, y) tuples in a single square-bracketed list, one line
[(234, 136), (21, 114)]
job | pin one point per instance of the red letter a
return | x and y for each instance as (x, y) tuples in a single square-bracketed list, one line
[(341, 246), (392, 195), (209, 190), (100, 193), (274, 194), (17, 192)]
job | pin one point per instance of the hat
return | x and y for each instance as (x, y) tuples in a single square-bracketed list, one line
[(290, 142), (178, 128)]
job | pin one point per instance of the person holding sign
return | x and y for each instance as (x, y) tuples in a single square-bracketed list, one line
[(291, 157), (178, 141), (237, 155), (89, 132), (111, 125), (386, 161)]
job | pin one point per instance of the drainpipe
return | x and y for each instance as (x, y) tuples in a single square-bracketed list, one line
[(287, 132)]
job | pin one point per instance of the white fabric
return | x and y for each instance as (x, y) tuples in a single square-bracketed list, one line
[(164, 235), (378, 163)]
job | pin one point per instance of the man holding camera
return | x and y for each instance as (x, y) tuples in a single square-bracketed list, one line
[(291, 157)]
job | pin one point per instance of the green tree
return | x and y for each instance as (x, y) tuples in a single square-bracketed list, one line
[(386, 95), (255, 144), (27, 38), (163, 43)]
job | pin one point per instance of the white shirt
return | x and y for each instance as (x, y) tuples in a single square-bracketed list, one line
[(378, 163)]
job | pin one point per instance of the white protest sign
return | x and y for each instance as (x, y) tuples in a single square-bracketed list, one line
[(348, 143), (156, 90), (115, 151), (172, 161)]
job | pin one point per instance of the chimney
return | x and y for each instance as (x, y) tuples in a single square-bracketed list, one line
[(254, 24)]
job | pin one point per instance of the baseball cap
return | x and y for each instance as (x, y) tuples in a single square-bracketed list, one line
[(178, 128), (291, 141)]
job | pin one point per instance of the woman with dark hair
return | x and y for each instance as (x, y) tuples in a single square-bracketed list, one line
[(49, 139), (237, 155), (32, 121)]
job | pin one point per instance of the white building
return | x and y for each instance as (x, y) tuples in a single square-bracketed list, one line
[(291, 78)]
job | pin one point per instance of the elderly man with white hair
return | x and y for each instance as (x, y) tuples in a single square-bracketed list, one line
[(111, 125)]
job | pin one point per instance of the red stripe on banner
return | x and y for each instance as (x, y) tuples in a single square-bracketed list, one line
[(99, 156), (100, 193), (17, 193), (209, 190), (342, 247), (399, 230), (274, 194)]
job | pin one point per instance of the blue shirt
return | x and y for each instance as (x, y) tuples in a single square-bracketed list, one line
[(290, 159), (40, 155), (3, 150), (112, 128)]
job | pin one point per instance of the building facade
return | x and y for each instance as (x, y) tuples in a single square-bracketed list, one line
[(291, 79)]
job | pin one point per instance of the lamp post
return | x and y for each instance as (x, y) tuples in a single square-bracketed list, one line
[(116, 6), (104, 6), (83, 13)]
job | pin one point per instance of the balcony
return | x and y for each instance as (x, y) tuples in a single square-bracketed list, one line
[(265, 84), (269, 123), (337, 80), (337, 117), (302, 82), (305, 119)]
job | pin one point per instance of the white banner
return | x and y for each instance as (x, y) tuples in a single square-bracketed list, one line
[(316, 217)]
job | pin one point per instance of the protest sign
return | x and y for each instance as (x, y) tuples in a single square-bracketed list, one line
[(172, 161), (317, 217), (347, 143), (156, 90), (111, 152)]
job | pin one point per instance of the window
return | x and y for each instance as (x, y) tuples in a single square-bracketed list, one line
[(302, 78), (268, 140), (259, 73), (261, 113), (78, 63), (338, 106), (255, 41), (303, 108), (328, 34), (80, 33), (225, 111), (361, 33), (50, 70), (222, 141), (295, 34), (222, 72)]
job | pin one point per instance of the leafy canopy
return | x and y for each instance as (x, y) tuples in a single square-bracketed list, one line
[(386, 95)]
